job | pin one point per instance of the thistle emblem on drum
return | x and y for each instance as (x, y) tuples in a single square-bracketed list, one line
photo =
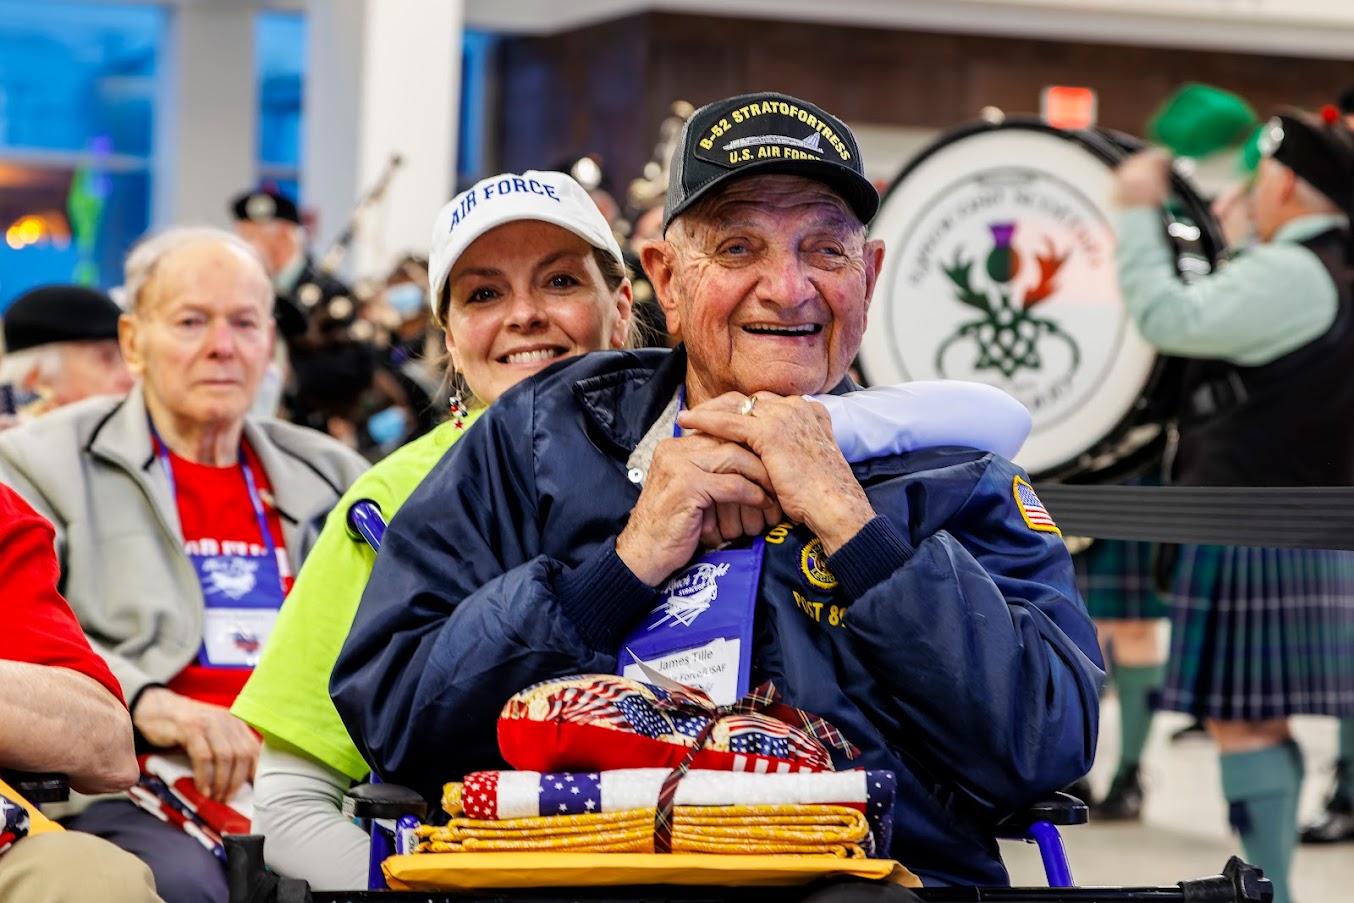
[(1008, 333)]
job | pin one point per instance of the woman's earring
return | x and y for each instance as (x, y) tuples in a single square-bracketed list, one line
[(457, 411)]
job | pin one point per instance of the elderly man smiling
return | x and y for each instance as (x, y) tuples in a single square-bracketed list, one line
[(922, 603)]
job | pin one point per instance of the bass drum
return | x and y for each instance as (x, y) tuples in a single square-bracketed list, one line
[(999, 268)]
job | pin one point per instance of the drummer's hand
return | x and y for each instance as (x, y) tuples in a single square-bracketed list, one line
[(221, 747), (793, 439), (1143, 180), (699, 491), (1232, 209)]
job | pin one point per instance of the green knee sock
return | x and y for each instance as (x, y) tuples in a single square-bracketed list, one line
[(1262, 789), (1345, 786), (1135, 712)]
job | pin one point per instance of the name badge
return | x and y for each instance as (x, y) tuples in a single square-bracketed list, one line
[(700, 633), (243, 594), (234, 637)]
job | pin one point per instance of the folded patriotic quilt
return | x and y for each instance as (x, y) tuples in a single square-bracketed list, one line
[(739, 830), (598, 722), (780, 807)]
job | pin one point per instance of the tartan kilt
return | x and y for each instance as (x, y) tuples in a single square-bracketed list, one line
[(1115, 579), (1261, 633)]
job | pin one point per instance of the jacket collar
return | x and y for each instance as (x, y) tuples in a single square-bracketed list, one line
[(623, 403), (123, 438)]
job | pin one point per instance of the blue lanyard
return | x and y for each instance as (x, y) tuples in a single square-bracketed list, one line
[(681, 403), (162, 452)]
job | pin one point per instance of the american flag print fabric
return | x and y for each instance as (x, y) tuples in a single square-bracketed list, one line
[(166, 790), (1032, 510), (530, 794), (658, 713), (13, 822)]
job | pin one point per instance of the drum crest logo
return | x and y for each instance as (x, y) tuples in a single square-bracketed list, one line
[(1000, 269), (1007, 333)]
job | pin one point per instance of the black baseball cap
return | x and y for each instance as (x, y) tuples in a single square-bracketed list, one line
[(1319, 151), (59, 313), (764, 134), (261, 205)]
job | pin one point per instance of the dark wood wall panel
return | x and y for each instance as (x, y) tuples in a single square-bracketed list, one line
[(607, 87)]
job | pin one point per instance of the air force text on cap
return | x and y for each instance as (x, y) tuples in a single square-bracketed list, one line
[(501, 188)]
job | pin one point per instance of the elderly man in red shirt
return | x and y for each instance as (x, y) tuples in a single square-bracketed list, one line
[(60, 711)]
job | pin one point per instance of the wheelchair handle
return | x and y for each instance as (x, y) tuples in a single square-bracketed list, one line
[(366, 522), (1239, 881)]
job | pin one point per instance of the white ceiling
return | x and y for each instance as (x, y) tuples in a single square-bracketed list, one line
[(1302, 27), (1320, 28)]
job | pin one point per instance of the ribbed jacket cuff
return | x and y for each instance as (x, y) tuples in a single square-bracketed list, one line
[(870, 557), (141, 744), (603, 598)]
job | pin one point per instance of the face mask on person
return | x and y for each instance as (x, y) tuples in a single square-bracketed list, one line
[(407, 299), (388, 426)]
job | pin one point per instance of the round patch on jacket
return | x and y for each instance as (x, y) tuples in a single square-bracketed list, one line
[(813, 564)]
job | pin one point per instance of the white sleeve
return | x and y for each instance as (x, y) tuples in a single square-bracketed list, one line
[(297, 808), (889, 420)]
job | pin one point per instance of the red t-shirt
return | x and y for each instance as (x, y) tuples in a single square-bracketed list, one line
[(36, 624), (215, 510)]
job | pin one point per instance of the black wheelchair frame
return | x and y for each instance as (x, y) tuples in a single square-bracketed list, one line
[(251, 882)]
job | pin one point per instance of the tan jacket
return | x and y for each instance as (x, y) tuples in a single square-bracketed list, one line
[(90, 469)]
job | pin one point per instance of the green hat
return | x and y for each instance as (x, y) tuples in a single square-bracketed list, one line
[(1199, 120), (1250, 150)]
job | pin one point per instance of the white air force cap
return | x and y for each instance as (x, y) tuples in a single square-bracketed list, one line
[(551, 197)]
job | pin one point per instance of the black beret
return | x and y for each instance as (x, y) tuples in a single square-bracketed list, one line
[(261, 205), (1345, 103), (59, 313), (1320, 151)]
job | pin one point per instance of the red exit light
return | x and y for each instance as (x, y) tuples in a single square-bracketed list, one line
[(1067, 107)]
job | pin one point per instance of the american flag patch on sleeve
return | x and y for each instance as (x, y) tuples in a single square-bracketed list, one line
[(1031, 509)]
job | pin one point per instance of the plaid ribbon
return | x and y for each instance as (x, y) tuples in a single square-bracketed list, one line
[(764, 701)]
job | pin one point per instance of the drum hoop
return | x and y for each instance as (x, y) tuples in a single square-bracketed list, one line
[(1110, 146)]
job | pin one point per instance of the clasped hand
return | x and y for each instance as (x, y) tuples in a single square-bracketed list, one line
[(738, 474)]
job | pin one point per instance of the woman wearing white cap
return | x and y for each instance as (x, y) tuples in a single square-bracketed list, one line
[(524, 272)]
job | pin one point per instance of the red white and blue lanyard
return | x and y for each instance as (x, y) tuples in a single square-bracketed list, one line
[(255, 499)]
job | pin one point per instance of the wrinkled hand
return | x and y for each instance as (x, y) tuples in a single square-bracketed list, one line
[(1143, 180), (221, 747), (793, 440), (699, 491)]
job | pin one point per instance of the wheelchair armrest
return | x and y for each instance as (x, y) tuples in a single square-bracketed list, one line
[(248, 880), (383, 801), (38, 787), (1061, 809)]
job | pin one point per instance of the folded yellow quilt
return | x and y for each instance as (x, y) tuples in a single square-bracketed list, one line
[(797, 829)]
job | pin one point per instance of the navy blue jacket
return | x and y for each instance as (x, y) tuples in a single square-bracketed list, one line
[(962, 657)]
